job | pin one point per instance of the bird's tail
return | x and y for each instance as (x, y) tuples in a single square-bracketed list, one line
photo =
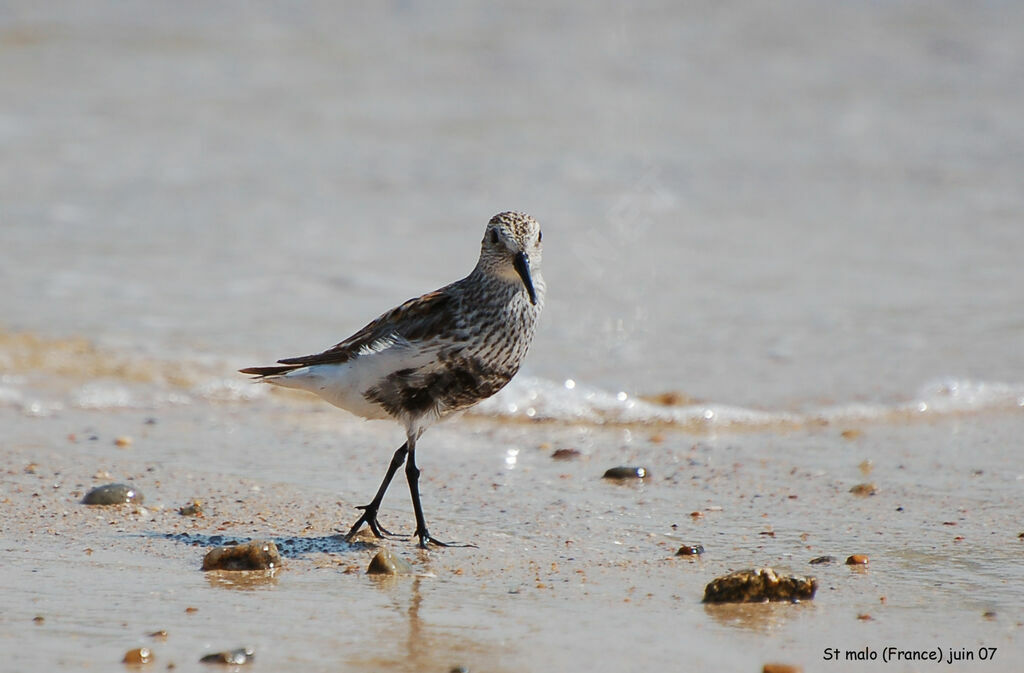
[(267, 372)]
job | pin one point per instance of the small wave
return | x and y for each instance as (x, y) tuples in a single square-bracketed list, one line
[(229, 390), (531, 398), (46, 375), (113, 395)]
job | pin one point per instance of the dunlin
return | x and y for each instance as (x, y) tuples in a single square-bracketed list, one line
[(434, 355)]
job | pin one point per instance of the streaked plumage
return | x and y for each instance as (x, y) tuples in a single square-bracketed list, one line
[(433, 355)]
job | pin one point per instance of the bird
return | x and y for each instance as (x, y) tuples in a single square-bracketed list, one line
[(433, 355)]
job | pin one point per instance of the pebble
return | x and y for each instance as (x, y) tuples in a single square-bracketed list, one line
[(566, 454), (387, 563), (113, 494), (140, 655), (669, 399), (756, 585), (864, 489), (687, 550), (123, 442), (236, 657), (822, 560), (781, 668), (624, 472), (194, 508), (857, 559), (254, 555)]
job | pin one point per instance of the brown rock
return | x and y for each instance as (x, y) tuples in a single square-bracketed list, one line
[(756, 585), (864, 489), (781, 668), (690, 550), (138, 656), (387, 563), (255, 555)]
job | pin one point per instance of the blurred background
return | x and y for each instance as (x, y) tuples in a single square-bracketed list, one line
[(774, 205)]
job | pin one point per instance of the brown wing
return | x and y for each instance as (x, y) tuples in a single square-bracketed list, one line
[(417, 319)]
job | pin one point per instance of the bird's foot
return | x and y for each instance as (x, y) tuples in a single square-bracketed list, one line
[(427, 539), (369, 517)]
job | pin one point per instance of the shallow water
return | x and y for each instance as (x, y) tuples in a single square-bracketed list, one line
[(773, 207), (803, 219)]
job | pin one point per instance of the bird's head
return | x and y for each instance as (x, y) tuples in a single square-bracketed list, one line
[(511, 250)]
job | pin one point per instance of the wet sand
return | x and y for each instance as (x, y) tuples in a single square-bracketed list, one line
[(570, 572)]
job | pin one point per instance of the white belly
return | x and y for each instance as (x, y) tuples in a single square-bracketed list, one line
[(344, 385)]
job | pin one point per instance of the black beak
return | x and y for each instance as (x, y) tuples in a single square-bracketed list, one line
[(522, 265)]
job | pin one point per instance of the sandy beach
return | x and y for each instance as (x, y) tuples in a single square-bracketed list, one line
[(570, 571)]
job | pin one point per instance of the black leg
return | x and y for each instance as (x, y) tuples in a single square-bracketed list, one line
[(412, 474), (369, 516)]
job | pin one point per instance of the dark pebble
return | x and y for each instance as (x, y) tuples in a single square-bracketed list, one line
[(822, 560), (238, 657), (255, 555), (387, 563), (194, 508), (566, 454), (113, 494), (757, 585), (687, 550), (625, 472)]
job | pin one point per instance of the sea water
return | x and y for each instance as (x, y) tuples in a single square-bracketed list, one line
[(803, 209)]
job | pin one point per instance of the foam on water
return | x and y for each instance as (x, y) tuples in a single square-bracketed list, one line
[(46, 375), (570, 402)]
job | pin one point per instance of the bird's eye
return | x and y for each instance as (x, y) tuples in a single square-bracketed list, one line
[(494, 236), (540, 236)]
